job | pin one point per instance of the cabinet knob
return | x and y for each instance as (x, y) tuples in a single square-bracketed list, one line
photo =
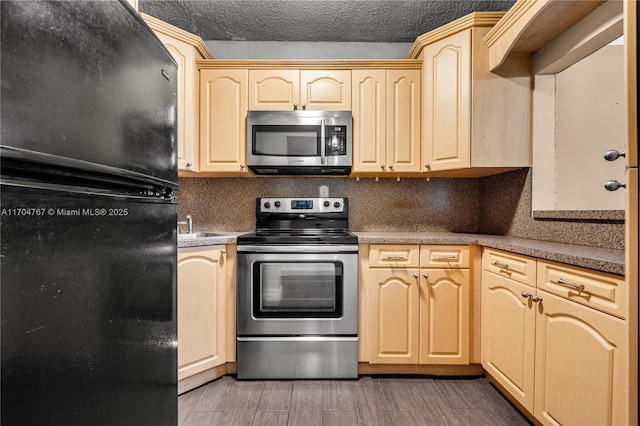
[(425, 275), (416, 275), (391, 166), (382, 166), (304, 106), (427, 165), (295, 106), (613, 155), (223, 251), (536, 298), (242, 166), (614, 185), (189, 165), (526, 294)]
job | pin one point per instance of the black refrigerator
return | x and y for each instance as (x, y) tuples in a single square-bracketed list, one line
[(88, 217)]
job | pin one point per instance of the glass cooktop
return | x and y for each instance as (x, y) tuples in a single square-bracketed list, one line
[(299, 236)]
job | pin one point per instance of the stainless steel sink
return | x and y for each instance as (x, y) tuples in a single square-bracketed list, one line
[(195, 235)]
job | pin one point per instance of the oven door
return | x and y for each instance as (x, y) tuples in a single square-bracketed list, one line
[(296, 294)]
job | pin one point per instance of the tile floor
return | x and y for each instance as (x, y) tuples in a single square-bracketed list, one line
[(368, 401)]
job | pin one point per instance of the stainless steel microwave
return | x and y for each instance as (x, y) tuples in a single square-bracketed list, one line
[(299, 142)]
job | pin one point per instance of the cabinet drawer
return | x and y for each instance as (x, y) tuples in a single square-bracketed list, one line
[(599, 290), (444, 256), (394, 256), (515, 266)]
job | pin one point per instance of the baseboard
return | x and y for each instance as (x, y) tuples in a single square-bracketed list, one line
[(434, 370), (512, 400), (192, 382)]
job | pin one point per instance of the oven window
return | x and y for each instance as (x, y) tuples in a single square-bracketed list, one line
[(286, 141), (297, 290)]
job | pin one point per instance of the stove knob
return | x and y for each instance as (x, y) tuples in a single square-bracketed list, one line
[(267, 205), (336, 204), (326, 204), (277, 203)]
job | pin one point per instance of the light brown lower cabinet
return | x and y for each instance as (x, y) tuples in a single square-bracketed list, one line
[(444, 316), (395, 316), (580, 368), (562, 361), (201, 310), (508, 335), (419, 315)]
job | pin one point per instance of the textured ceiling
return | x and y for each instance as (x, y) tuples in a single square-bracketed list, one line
[(314, 20)]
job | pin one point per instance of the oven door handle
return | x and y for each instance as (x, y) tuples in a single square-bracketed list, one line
[(320, 248), (323, 142), (298, 339)]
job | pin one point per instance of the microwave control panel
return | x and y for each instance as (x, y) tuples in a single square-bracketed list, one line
[(336, 143)]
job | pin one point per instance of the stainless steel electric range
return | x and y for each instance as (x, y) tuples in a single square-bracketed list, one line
[(297, 295)]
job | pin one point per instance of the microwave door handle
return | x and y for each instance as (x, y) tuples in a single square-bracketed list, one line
[(322, 143)]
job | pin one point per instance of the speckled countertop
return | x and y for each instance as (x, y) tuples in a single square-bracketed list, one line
[(224, 238), (601, 259)]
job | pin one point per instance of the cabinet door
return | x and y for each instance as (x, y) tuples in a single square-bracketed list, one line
[(447, 95), (581, 371), (403, 120), (325, 90), (223, 112), (274, 89), (395, 313), (369, 98), (444, 316), (201, 311), (187, 102), (508, 336)]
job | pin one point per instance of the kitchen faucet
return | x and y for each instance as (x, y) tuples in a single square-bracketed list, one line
[(189, 224)]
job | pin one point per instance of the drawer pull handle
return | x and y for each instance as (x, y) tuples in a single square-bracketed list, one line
[(579, 287), (501, 265), (448, 256), (526, 294), (394, 258)]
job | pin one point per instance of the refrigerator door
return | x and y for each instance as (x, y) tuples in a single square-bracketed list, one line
[(88, 307), (87, 83)]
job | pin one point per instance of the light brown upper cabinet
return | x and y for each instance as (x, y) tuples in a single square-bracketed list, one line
[(223, 117), (289, 89), (474, 123), (386, 121), (186, 49)]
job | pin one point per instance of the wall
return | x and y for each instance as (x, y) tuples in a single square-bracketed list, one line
[(227, 204), (307, 50)]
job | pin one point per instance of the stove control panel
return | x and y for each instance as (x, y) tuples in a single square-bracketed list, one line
[(301, 205)]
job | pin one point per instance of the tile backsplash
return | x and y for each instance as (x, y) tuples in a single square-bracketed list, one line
[(229, 204), (505, 209), (499, 204)]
